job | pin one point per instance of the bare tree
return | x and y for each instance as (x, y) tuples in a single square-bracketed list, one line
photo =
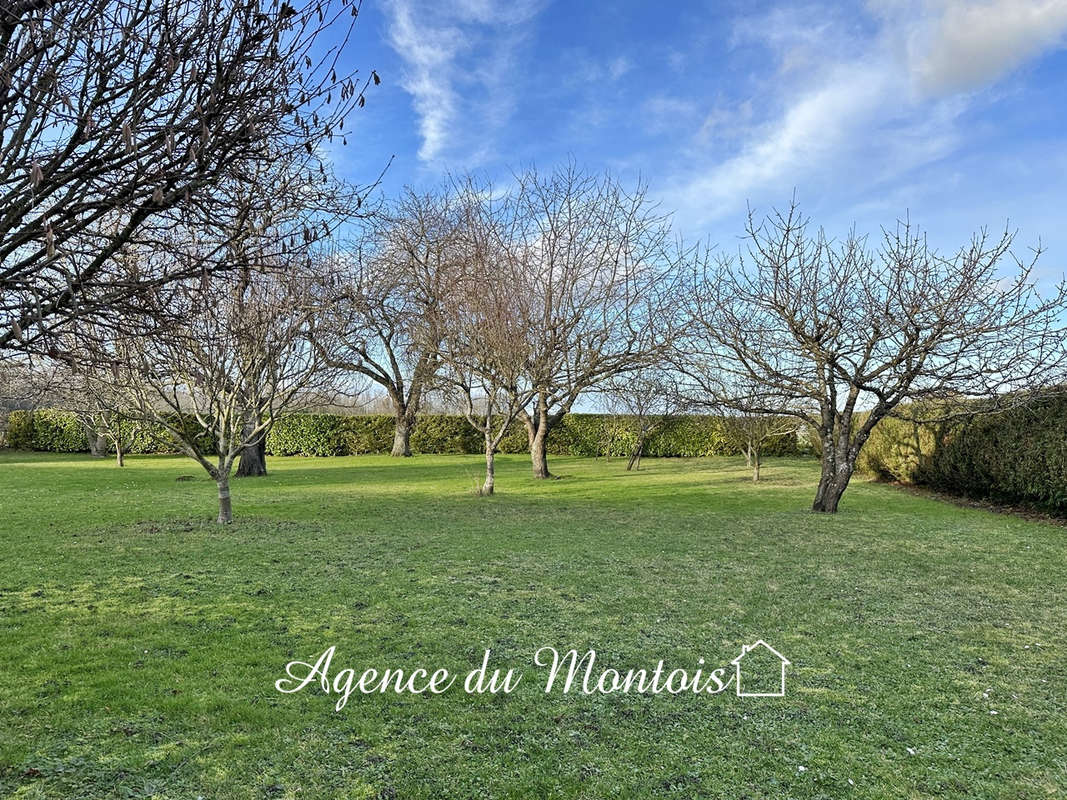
[(97, 404), (26, 383), (748, 423), (388, 310), (99, 407), (194, 380), (751, 433), (598, 269), (284, 223), (485, 345), (121, 118), (645, 402), (842, 328)]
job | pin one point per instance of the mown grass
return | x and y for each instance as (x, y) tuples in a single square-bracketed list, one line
[(140, 643)]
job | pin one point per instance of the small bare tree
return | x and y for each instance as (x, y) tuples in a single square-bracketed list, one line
[(644, 402), (106, 428), (825, 330), (748, 424), (196, 380), (98, 405), (751, 433), (485, 344)]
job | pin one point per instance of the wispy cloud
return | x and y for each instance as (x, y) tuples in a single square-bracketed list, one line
[(457, 56), (619, 66), (864, 108), (664, 113)]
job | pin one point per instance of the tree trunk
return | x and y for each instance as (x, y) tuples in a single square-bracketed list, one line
[(635, 455), (755, 465), (835, 477), (253, 463), (490, 470), (120, 456), (748, 454), (539, 453), (538, 426), (402, 436), (225, 509), (826, 441), (97, 444)]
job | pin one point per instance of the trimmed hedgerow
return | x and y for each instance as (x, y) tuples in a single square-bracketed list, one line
[(56, 431), (591, 435), (308, 435), (20, 430), (442, 433), (1018, 455), (895, 449), (46, 429), (157, 439), (576, 435)]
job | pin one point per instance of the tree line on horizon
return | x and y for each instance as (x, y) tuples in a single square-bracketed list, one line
[(176, 247)]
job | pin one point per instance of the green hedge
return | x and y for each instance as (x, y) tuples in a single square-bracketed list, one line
[(156, 439), (55, 431), (895, 450), (334, 434), (46, 429), (1019, 455), (20, 430), (576, 435)]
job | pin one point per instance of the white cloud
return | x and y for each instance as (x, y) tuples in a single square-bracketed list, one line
[(726, 122), (973, 43), (863, 110), (456, 43), (428, 54)]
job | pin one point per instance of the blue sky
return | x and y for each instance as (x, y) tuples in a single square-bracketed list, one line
[(950, 110)]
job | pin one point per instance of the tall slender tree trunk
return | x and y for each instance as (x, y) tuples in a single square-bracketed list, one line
[(120, 456), (253, 463), (755, 464), (225, 508), (490, 468), (539, 452), (402, 434), (538, 426), (636, 453)]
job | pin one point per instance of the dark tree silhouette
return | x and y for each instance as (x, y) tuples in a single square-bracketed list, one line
[(120, 119)]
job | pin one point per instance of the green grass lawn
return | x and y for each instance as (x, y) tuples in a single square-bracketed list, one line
[(140, 642)]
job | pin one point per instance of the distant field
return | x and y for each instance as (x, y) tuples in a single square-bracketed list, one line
[(140, 642)]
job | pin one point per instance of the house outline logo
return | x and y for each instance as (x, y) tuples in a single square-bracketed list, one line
[(745, 650)]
